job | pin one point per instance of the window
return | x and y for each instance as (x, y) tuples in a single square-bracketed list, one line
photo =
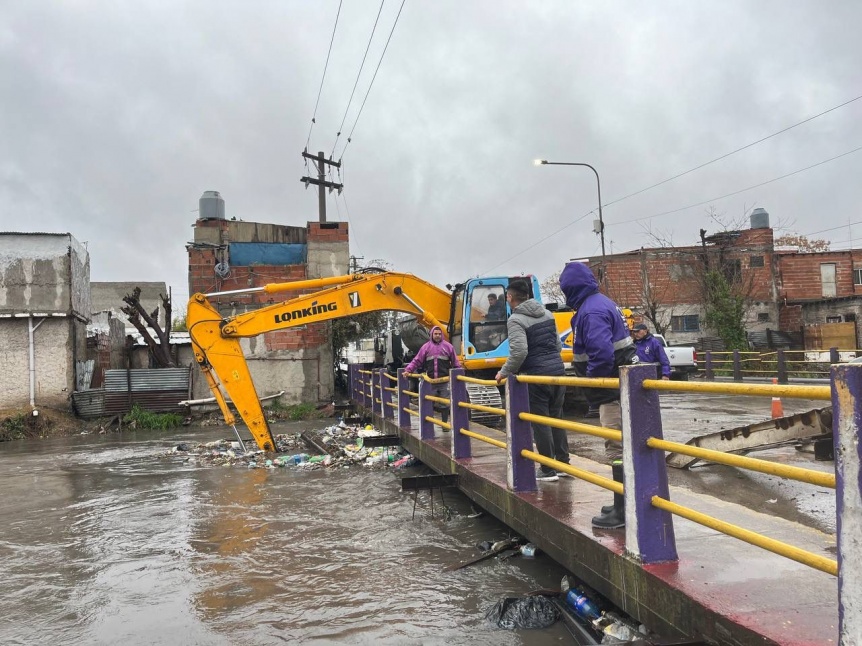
[(827, 279), (833, 319), (755, 261), (850, 318), (732, 270), (762, 317), (857, 276), (687, 323)]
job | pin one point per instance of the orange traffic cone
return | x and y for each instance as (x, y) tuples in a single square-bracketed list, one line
[(777, 408)]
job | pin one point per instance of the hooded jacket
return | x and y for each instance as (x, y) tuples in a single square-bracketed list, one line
[(602, 341), (534, 345), (435, 358), (650, 350)]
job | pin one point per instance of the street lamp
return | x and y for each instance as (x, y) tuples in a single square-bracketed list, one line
[(545, 162)]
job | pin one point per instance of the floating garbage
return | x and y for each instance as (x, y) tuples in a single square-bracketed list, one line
[(344, 446), (527, 612)]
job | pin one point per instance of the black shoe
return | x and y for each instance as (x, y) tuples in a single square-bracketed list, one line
[(550, 476), (613, 520), (607, 509)]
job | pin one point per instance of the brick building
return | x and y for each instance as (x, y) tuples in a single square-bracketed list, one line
[(787, 289), (230, 255)]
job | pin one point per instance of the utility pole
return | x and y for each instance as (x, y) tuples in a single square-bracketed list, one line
[(354, 264), (321, 162)]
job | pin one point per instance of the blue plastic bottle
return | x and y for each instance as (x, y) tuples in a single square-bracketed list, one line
[(582, 604)]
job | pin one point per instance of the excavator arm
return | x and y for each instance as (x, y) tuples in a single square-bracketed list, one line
[(216, 340)]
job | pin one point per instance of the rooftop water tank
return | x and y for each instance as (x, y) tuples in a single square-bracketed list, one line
[(759, 219), (211, 206)]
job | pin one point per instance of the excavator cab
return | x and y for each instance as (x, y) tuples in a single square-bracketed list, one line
[(477, 326)]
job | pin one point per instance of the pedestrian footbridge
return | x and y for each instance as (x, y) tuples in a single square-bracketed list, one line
[(687, 564)]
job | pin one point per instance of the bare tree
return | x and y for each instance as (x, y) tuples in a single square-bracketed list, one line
[(802, 243), (144, 321), (550, 288)]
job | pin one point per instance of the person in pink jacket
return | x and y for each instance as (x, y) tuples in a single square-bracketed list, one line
[(435, 358)]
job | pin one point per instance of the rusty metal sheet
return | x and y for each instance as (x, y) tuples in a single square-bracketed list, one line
[(144, 379), (762, 435), (89, 403)]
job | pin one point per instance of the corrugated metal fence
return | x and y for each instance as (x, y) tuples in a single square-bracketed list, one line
[(156, 390)]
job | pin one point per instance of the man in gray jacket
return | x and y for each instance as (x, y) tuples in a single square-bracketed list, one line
[(534, 349)]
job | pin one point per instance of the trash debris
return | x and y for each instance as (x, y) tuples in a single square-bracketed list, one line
[(527, 612), (529, 550), (342, 445)]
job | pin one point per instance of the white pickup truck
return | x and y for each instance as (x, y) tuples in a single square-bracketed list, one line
[(683, 359)]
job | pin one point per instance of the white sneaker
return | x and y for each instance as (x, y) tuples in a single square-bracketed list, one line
[(547, 477)]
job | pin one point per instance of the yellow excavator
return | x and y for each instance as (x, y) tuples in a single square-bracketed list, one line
[(467, 315)]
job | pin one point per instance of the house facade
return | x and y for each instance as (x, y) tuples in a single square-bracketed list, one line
[(787, 290), (44, 310)]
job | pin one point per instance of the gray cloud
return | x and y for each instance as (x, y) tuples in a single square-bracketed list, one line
[(116, 116)]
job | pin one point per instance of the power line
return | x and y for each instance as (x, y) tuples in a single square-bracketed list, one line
[(325, 66), (849, 224), (743, 190), (358, 74), (576, 220), (733, 152), (359, 114)]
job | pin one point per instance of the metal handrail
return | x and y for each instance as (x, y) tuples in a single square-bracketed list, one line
[(770, 544), (484, 438), (587, 429), (752, 464), (474, 380), (410, 411), (390, 377), (410, 393), (438, 422), (587, 382), (485, 409), (753, 390), (439, 400), (601, 481)]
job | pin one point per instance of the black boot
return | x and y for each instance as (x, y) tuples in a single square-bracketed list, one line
[(613, 517)]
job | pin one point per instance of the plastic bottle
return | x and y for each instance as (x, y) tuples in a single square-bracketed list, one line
[(300, 457), (582, 604), (317, 458)]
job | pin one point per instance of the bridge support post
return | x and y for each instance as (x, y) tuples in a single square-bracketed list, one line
[(781, 358), (649, 530), (710, 374), (375, 390), (385, 395), (737, 366), (846, 424), (351, 382), (520, 472), (403, 400), (426, 409), (834, 357), (459, 417)]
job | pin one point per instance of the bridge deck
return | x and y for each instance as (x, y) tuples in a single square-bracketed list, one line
[(720, 589)]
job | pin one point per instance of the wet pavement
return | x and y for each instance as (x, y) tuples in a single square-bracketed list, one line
[(107, 540)]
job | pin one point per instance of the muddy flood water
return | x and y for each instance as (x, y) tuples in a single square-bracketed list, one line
[(105, 540)]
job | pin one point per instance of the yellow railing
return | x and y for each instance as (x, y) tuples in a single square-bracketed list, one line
[(473, 380), (777, 547), (762, 466), (752, 464), (485, 409)]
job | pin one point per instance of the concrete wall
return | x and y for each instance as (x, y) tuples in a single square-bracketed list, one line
[(58, 341), (44, 273)]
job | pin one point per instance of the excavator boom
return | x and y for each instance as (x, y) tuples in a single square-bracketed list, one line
[(216, 340)]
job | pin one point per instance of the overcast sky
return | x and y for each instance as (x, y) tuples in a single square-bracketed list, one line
[(116, 115)]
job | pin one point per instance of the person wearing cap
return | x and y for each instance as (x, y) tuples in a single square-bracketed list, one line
[(650, 349), (534, 349)]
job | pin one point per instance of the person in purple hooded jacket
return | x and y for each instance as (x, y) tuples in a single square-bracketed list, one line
[(435, 358), (602, 344), (650, 349)]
